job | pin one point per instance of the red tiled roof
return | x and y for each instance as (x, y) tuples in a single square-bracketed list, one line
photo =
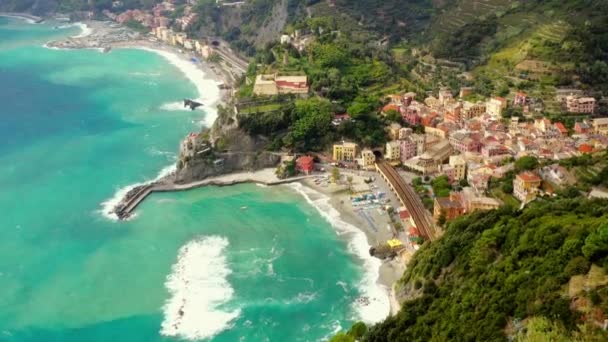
[(529, 177), (585, 148), (414, 231), (404, 214), (390, 107), (305, 159), (560, 126)]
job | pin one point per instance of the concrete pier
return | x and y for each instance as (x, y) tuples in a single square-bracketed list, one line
[(128, 206)]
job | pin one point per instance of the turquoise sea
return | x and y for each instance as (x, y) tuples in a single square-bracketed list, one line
[(78, 126)]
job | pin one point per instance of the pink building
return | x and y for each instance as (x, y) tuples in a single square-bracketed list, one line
[(411, 116), (490, 151), (580, 104), (464, 143), (520, 99), (407, 149)]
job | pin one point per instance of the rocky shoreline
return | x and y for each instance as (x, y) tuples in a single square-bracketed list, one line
[(101, 35)]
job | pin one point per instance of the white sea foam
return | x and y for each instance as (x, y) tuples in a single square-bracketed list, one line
[(208, 94), (179, 106), (107, 207), (198, 286), (144, 74), (16, 16), (85, 31), (46, 46), (302, 298), (379, 300), (208, 91)]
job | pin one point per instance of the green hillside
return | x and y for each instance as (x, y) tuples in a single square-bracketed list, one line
[(494, 271)]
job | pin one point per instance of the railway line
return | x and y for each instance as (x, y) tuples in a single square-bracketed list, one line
[(409, 199)]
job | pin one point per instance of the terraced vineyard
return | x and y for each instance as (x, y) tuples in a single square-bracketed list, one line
[(465, 11)]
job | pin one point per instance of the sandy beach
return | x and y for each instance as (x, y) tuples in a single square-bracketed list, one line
[(340, 199)]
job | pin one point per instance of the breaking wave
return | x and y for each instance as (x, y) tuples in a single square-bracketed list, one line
[(107, 207), (379, 301), (199, 287)]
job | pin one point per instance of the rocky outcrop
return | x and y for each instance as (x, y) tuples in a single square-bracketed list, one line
[(223, 163), (223, 149)]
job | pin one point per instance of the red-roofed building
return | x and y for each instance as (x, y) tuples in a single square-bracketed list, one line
[(585, 148), (305, 164), (404, 215), (413, 232), (526, 186), (389, 107), (429, 120), (561, 128), (581, 128)]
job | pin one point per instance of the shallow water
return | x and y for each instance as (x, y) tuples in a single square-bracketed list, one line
[(76, 127)]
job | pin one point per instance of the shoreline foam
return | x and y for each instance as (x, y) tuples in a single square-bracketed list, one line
[(85, 30), (379, 306), (198, 286), (208, 91), (208, 94), (23, 17), (107, 207)]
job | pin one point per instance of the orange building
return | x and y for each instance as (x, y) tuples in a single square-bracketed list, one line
[(448, 206)]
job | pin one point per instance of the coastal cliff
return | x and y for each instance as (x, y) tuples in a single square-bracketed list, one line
[(224, 148)]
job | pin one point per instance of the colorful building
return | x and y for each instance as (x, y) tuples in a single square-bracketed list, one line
[(305, 164), (393, 151), (575, 104), (272, 84), (346, 151), (449, 207), (367, 159), (600, 126), (526, 186), (495, 106)]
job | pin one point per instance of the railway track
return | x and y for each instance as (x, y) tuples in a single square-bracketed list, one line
[(410, 199)]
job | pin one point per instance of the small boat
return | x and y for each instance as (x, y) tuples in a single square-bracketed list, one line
[(244, 207)]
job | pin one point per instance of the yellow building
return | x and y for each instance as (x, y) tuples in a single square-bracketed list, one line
[(526, 186), (188, 44), (435, 132), (460, 167), (273, 84), (472, 110), (600, 125), (265, 85), (346, 151), (495, 106), (180, 38), (367, 158), (393, 151)]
